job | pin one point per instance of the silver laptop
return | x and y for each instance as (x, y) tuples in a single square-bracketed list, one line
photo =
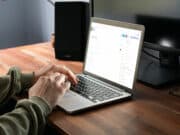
[(112, 56)]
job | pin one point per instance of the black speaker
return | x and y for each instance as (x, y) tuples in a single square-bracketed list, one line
[(72, 21)]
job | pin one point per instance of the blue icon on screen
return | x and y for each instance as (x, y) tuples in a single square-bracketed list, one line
[(124, 35)]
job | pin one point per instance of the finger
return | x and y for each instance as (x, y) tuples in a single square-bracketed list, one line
[(53, 76), (60, 80), (46, 69), (62, 69), (66, 86), (49, 67), (49, 73)]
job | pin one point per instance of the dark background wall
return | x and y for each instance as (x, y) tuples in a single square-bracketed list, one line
[(25, 22), (12, 23)]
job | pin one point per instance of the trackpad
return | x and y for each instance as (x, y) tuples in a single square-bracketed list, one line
[(74, 102)]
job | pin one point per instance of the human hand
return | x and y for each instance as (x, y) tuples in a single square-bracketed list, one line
[(51, 68), (51, 88)]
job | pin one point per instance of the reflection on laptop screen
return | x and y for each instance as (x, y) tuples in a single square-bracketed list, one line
[(112, 53)]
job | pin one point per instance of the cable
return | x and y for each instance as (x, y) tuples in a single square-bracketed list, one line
[(151, 55)]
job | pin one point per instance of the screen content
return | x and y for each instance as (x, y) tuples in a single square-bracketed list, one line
[(112, 53)]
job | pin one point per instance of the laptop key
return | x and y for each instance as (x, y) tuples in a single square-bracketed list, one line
[(93, 91)]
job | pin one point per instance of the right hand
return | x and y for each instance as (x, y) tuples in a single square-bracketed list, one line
[(51, 88), (52, 68)]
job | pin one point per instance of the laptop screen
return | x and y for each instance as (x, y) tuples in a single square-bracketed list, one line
[(112, 53)]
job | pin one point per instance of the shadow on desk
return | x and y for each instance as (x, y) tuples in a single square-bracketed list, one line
[(51, 130)]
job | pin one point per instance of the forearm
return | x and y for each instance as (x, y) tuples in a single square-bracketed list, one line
[(28, 118)]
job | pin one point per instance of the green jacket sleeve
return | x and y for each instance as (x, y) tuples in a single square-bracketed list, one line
[(14, 83), (28, 118)]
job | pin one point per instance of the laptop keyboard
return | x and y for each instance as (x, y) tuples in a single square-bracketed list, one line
[(94, 91)]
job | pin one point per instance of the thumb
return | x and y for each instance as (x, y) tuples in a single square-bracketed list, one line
[(66, 86)]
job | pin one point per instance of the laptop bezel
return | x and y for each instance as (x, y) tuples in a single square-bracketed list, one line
[(119, 24)]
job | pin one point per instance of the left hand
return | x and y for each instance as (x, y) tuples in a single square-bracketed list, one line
[(51, 88), (51, 68)]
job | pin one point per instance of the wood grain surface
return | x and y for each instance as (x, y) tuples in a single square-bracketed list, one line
[(150, 112)]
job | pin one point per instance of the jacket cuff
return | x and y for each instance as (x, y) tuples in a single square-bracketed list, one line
[(27, 80), (43, 104)]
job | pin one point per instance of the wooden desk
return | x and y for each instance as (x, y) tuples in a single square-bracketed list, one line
[(151, 112)]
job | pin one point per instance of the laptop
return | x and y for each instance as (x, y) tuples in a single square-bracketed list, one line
[(110, 67)]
